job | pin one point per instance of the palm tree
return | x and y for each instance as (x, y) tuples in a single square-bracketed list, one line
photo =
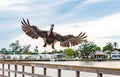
[(109, 47), (115, 44), (25, 49), (15, 46), (36, 49)]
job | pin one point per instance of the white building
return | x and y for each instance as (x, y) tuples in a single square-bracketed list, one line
[(115, 55), (16, 57), (59, 55)]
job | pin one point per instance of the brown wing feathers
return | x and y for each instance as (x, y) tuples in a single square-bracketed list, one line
[(65, 44), (28, 29), (72, 41)]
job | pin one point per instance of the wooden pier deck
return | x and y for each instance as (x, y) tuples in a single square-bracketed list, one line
[(100, 71)]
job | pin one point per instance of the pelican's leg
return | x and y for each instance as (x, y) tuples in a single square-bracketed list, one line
[(45, 45), (45, 52), (53, 48), (44, 49)]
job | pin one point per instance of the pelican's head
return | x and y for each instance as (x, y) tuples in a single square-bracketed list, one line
[(52, 26), (51, 29)]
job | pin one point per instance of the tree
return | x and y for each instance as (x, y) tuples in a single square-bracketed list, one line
[(109, 47), (76, 54), (55, 51), (25, 49), (69, 52), (18, 49), (36, 49), (4, 51), (87, 48), (15, 46), (60, 51), (96, 48), (115, 44)]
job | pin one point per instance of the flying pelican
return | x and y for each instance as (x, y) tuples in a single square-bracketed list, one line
[(50, 37)]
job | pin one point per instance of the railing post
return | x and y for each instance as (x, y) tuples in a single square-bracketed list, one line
[(59, 72), (100, 75), (44, 71), (77, 73), (23, 70), (3, 69), (8, 70), (32, 70), (15, 70)]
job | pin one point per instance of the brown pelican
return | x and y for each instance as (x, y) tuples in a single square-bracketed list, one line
[(50, 37)]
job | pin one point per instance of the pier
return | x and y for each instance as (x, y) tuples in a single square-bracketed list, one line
[(6, 67)]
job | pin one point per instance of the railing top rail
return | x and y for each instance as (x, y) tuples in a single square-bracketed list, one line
[(50, 65)]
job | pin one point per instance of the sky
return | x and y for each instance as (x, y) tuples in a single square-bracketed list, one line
[(100, 19)]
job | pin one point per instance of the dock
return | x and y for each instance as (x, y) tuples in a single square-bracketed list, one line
[(100, 71)]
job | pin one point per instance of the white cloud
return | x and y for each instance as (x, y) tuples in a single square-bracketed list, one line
[(10, 5), (77, 11), (106, 26), (6, 3), (93, 1)]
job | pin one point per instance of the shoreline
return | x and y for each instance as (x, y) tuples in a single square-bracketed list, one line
[(61, 59)]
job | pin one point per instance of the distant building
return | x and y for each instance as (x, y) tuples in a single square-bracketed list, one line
[(34, 57), (2, 57), (115, 55), (8, 52), (59, 55), (99, 55)]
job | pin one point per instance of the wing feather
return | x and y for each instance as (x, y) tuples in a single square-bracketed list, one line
[(32, 31), (70, 40)]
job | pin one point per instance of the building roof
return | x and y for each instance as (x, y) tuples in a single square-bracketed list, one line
[(100, 53)]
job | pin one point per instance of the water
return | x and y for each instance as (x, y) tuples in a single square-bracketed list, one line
[(53, 72), (107, 64)]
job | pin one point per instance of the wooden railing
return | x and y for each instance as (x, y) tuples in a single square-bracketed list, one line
[(99, 70)]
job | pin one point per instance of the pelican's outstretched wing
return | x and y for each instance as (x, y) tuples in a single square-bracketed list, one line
[(32, 31), (70, 40)]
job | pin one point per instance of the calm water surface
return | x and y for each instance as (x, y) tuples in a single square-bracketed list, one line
[(108, 64), (105, 64)]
